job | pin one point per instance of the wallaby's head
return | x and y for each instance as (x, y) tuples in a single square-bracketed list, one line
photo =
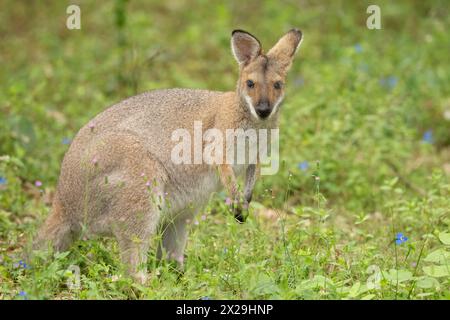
[(262, 76)]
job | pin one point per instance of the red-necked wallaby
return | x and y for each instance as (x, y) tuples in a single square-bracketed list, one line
[(118, 178)]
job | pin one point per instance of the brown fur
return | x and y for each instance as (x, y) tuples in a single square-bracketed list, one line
[(101, 190)]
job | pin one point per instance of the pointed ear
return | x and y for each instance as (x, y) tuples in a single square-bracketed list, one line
[(245, 47), (284, 50)]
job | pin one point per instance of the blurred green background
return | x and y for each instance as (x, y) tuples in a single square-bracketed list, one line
[(367, 111)]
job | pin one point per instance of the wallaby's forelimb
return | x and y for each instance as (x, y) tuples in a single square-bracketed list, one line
[(251, 176), (229, 181), (239, 203)]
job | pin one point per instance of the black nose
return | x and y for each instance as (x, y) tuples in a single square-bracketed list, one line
[(263, 110)]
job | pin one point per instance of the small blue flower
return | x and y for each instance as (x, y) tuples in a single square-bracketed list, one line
[(303, 165), (389, 82), (428, 136), (392, 81), (358, 48), (299, 81), (3, 181), (400, 238), (363, 67), (23, 294), (205, 298), (66, 141), (21, 264)]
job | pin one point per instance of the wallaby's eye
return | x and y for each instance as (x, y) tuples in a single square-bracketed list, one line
[(250, 84), (277, 85)]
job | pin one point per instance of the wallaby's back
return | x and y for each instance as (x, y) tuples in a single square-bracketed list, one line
[(153, 116)]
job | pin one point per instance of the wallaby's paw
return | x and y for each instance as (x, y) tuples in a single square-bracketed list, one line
[(239, 208), (240, 211)]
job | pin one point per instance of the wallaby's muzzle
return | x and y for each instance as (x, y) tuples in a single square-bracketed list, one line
[(263, 110)]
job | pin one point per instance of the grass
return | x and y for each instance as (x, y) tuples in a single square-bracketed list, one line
[(365, 147)]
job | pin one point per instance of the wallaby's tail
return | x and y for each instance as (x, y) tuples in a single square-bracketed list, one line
[(56, 231)]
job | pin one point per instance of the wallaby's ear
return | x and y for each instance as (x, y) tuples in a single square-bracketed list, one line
[(245, 47), (284, 50)]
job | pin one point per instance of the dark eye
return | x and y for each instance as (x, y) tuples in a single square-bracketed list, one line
[(250, 84), (277, 85)]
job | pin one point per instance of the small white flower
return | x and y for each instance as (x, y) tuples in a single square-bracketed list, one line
[(447, 114), (114, 278)]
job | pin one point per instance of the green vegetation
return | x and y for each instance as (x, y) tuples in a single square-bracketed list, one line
[(365, 144)]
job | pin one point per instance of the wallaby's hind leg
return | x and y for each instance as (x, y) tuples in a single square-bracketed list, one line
[(57, 231), (133, 253), (174, 237), (134, 221), (134, 239)]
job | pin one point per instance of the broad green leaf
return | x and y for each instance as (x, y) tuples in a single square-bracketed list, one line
[(437, 271), (425, 294), (62, 255), (441, 256), (397, 276), (427, 283), (445, 237), (317, 281), (354, 291), (264, 285)]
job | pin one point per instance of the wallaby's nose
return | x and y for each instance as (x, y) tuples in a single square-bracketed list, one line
[(263, 109)]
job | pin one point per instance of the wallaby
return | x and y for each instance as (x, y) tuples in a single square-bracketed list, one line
[(117, 178)]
